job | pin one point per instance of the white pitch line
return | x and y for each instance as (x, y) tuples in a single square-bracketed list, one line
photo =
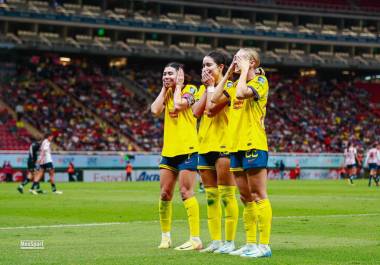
[(156, 221)]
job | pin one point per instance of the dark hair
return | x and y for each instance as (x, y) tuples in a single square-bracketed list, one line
[(46, 135), (219, 58), (175, 65)]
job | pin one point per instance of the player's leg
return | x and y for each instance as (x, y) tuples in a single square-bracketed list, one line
[(227, 191), (39, 173), (257, 179), (187, 182), (52, 180), (214, 210), (167, 184), (254, 164), (249, 213), (372, 175), (206, 168), (377, 176), (29, 178), (351, 174)]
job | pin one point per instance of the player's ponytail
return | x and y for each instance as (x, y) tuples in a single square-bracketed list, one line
[(259, 71)]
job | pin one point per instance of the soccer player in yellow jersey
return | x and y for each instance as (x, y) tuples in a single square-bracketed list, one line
[(249, 149), (179, 153), (213, 158)]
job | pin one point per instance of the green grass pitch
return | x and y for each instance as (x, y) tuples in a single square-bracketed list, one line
[(315, 222)]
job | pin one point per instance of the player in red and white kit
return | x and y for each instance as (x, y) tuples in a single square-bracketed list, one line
[(350, 158), (373, 162)]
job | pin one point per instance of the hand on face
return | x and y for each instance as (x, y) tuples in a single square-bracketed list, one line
[(180, 78), (242, 62), (231, 69), (207, 78)]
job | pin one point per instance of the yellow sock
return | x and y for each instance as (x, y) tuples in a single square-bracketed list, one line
[(214, 213), (250, 222), (165, 209), (192, 209), (231, 209), (264, 220)]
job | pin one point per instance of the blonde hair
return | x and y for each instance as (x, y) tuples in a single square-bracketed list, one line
[(253, 55)]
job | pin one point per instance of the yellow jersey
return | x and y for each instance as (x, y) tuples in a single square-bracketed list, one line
[(246, 117), (180, 133), (213, 131)]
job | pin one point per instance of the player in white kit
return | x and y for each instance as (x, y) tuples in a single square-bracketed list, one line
[(373, 162), (350, 158), (45, 161)]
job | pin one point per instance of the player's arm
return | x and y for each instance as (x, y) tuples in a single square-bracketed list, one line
[(158, 104), (182, 102), (211, 108), (199, 106), (220, 95), (242, 89)]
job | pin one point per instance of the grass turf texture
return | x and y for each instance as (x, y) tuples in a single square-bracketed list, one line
[(315, 222)]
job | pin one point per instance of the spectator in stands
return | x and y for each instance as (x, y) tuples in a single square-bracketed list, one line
[(302, 125), (19, 111), (4, 116)]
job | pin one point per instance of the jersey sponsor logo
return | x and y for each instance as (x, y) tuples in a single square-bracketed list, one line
[(237, 103), (173, 114)]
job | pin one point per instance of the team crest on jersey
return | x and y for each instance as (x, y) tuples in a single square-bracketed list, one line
[(237, 103), (192, 90), (229, 84), (261, 80)]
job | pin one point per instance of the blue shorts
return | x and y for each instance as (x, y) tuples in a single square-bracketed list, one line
[(372, 166), (245, 160), (181, 162), (208, 160)]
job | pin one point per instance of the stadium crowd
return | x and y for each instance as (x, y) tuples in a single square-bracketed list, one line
[(311, 115), (48, 109), (304, 114), (106, 96), (13, 135)]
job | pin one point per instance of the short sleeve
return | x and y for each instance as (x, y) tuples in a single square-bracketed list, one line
[(189, 93), (259, 87), (200, 91)]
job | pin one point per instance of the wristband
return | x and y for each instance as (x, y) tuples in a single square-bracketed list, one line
[(211, 89)]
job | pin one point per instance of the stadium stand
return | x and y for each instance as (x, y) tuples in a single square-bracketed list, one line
[(49, 109), (312, 115), (13, 135), (88, 96), (308, 114)]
